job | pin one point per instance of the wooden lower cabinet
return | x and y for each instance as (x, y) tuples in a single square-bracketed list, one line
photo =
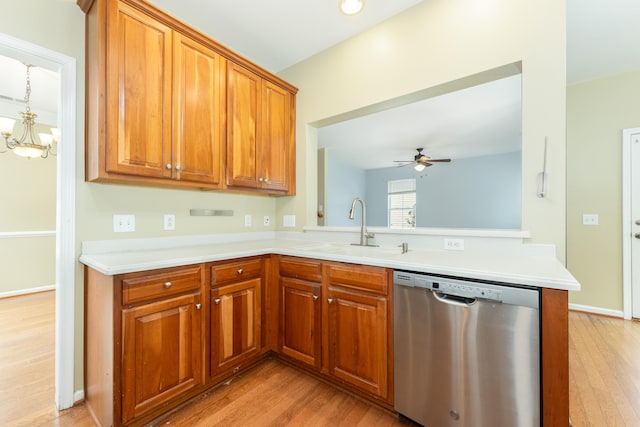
[(336, 318), (358, 339), (301, 316), (144, 344), (236, 314), (161, 357)]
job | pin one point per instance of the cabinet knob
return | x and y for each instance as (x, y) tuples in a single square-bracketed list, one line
[(167, 284), (168, 165), (240, 271), (315, 297), (178, 167), (198, 306), (261, 179), (217, 300), (329, 300)]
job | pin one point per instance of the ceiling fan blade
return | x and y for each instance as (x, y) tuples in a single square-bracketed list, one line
[(439, 160)]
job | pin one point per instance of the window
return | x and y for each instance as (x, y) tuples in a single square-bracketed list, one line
[(402, 203)]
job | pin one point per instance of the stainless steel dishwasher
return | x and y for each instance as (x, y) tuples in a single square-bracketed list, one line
[(467, 354)]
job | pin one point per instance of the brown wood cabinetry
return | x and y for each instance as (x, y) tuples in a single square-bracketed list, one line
[(236, 314), (156, 108), (337, 318), (300, 321), (145, 342), (260, 142), (359, 344)]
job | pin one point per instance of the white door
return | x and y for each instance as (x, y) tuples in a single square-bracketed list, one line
[(631, 222)]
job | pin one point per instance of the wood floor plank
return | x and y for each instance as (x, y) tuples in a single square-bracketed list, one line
[(604, 381)]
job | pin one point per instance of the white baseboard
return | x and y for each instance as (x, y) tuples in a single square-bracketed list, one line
[(27, 291), (596, 310), (78, 396)]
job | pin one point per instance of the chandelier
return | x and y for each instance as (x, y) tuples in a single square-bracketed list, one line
[(28, 145)]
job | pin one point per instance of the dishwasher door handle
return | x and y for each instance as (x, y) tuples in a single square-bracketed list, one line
[(454, 299)]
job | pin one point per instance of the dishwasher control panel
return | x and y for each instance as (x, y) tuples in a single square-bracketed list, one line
[(467, 289)]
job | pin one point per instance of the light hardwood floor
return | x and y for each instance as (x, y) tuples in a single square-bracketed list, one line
[(604, 381)]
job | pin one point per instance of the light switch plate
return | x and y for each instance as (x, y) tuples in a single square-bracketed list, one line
[(590, 219), (247, 220), (266, 220), (289, 221), (124, 223)]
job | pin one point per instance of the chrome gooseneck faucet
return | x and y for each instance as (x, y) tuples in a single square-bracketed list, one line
[(364, 234)]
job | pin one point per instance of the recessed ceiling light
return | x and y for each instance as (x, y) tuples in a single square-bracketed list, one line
[(351, 7)]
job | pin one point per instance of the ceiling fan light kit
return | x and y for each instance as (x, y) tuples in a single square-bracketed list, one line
[(421, 161)]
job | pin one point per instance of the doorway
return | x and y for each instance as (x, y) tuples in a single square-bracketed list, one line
[(30, 53), (631, 222)]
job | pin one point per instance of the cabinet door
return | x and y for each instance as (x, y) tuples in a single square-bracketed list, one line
[(199, 129), (244, 115), (235, 324), (162, 353), (139, 92), (358, 339), (300, 321), (277, 138)]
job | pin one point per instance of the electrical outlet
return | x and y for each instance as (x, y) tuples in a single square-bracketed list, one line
[(590, 219), (267, 220), (124, 223), (454, 244), (247, 220), (169, 222)]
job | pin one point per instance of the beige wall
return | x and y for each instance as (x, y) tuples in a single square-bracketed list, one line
[(28, 203), (597, 111), (434, 43)]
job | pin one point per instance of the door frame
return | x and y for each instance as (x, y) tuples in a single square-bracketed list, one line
[(65, 65), (626, 221)]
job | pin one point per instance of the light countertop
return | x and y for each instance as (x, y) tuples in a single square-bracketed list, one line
[(538, 270)]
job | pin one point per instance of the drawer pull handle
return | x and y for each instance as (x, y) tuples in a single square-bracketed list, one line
[(217, 300), (315, 297), (240, 271), (167, 284), (198, 306), (329, 300), (168, 165)]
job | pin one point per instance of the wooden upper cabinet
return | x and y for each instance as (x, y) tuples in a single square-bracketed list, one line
[(199, 129), (260, 143), (277, 138), (243, 107), (138, 120), (156, 106)]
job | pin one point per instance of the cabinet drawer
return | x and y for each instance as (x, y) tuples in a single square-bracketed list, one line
[(301, 269), (236, 270), (151, 286), (373, 279)]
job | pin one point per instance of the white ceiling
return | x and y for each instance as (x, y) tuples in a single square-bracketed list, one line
[(603, 38)]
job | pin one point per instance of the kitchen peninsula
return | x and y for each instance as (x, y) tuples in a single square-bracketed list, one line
[(168, 319)]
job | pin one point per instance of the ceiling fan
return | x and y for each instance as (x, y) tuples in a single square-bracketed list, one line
[(421, 161)]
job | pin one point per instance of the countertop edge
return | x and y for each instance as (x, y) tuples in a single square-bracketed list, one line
[(528, 279)]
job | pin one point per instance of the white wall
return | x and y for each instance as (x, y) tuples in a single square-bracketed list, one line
[(432, 44)]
